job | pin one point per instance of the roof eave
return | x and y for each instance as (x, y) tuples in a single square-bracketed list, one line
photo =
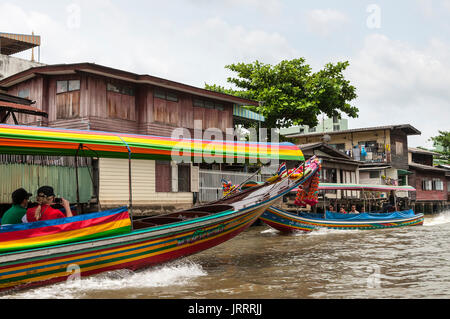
[(122, 75)]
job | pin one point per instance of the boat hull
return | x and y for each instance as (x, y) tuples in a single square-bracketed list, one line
[(134, 251), (288, 222)]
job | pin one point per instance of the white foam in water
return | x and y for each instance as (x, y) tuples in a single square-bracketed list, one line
[(172, 274), (440, 219), (269, 231)]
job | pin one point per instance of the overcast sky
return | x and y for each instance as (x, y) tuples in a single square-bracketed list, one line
[(399, 51)]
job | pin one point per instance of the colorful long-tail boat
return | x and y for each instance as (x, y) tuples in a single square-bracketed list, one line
[(286, 221), (46, 252)]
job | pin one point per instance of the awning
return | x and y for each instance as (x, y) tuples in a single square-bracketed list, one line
[(402, 172), (28, 140), (20, 108), (11, 43), (245, 113)]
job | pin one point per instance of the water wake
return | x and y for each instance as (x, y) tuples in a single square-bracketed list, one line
[(178, 273), (440, 219)]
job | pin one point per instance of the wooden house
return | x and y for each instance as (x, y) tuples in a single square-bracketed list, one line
[(382, 151), (431, 182), (89, 96)]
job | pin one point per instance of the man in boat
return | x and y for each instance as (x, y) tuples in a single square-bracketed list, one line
[(44, 210), (353, 210), (342, 211), (331, 208), (18, 209)]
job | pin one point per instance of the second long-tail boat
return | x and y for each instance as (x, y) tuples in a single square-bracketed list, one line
[(290, 221)]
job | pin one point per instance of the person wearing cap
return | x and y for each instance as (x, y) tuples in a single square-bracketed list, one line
[(44, 211), (18, 209)]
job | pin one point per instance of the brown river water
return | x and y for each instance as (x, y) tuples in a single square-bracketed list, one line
[(411, 262)]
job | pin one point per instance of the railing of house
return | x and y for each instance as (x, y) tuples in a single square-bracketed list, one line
[(210, 187)]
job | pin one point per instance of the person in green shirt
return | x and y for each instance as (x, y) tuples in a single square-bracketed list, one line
[(18, 209)]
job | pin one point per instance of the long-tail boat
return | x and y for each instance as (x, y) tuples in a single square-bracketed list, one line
[(46, 252), (286, 221)]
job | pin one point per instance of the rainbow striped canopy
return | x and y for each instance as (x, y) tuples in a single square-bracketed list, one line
[(64, 230), (29, 140)]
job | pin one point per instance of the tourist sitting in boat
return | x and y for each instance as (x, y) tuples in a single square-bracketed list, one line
[(18, 209), (342, 211), (44, 210), (331, 208), (353, 210)]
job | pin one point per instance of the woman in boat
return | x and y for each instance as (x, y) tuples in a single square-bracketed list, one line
[(331, 208), (342, 211), (353, 210), (45, 211)]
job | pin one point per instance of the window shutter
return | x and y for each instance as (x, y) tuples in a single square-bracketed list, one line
[(174, 167), (195, 176)]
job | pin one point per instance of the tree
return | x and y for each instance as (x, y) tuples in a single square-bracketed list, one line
[(290, 93), (443, 140)]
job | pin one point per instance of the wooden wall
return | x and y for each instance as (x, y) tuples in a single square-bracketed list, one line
[(37, 92), (416, 179), (94, 107), (113, 184), (399, 158)]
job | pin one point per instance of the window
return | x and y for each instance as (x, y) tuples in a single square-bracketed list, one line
[(160, 94), (437, 184), (172, 97), (374, 174), (122, 89), (67, 86), (165, 95), (163, 176), (399, 148), (67, 99), (338, 147), (402, 180), (427, 185), (184, 177), (208, 104), (24, 93)]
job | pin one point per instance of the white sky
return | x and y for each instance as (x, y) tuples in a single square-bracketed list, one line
[(399, 51)]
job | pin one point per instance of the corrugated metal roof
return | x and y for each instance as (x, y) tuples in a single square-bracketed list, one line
[(11, 43), (20, 108), (407, 127), (246, 113)]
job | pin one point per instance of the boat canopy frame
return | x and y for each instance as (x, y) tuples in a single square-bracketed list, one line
[(32, 140)]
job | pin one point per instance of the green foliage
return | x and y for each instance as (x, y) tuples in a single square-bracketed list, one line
[(443, 140), (290, 93)]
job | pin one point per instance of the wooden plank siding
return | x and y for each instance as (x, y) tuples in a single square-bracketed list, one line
[(95, 107), (113, 184), (68, 105), (33, 89)]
